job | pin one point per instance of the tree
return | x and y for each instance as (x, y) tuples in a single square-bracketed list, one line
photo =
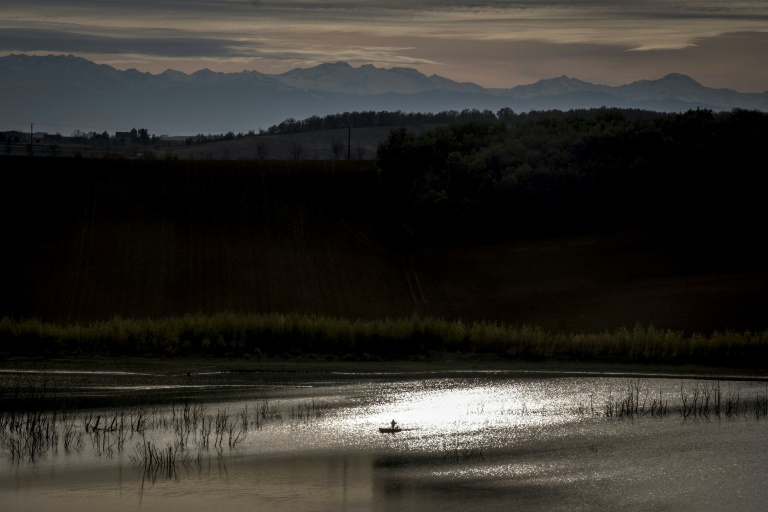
[(296, 150), (262, 152), (143, 136), (337, 147), (360, 150)]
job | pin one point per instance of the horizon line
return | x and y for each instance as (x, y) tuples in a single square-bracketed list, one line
[(245, 70)]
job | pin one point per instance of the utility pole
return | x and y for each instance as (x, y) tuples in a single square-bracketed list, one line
[(31, 138)]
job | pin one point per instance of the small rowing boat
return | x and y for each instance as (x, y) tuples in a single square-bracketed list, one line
[(387, 430)]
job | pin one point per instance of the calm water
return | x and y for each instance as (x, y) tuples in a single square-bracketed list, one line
[(470, 441)]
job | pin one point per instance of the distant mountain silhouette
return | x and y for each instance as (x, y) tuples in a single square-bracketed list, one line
[(61, 93), (368, 79)]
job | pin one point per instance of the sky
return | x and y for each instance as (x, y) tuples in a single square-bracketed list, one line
[(493, 43)]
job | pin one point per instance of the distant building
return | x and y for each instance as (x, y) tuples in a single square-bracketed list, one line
[(126, 137), (14, 136), (50, 138)]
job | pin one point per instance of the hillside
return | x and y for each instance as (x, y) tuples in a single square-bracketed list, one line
[(91, 239)]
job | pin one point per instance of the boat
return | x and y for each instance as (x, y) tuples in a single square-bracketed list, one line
[(389, 430)]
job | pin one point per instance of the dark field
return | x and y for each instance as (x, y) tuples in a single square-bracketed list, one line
[(89, 239)]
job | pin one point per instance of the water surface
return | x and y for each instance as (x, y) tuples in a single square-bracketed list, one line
[(470, 441)]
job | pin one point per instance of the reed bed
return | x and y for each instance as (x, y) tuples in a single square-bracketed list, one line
[(710, 399), (188, 427), (635, 401), (290, 335), (265, 411), (702, 400), (155, 459), (72, 437), (28, 436), (308, 410)]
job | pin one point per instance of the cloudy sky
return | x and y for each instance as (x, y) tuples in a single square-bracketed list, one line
[(494, 43)]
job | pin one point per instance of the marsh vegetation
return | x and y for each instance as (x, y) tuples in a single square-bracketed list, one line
[(291, 336)]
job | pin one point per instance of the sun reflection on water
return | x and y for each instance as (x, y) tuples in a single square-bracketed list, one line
[(435, 415)]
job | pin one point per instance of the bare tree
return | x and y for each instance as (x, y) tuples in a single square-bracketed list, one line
[(262, 152), (360, 150), (296, 150), (337, 148)]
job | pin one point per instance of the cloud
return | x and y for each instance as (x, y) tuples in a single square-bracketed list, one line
[(525, 37), (165, 45), (728, 60)]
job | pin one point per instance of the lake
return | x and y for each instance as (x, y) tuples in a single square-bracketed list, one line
[(470, 440)]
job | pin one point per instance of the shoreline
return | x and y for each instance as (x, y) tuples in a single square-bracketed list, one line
[(444, 365)]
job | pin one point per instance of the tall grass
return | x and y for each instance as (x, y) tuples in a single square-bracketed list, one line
[(284, 335)]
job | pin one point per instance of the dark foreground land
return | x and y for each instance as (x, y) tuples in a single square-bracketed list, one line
[(113, 243), (89, 239)]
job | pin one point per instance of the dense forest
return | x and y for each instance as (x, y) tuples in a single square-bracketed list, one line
[(569, 172)]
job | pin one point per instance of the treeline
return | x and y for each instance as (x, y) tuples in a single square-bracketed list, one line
[(363, 119), (309, 336), (140, 136), (204, 139), (559, 172), (393, 119), (373, 119)]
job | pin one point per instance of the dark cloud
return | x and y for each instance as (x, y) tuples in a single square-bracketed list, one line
[(161, 45), (492, 42)]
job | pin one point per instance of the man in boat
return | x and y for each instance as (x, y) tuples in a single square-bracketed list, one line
[(394, 425)]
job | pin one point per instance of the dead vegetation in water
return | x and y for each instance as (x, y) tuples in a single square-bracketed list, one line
[(189, 429), (704, 399), (308, 410), (185, 433)]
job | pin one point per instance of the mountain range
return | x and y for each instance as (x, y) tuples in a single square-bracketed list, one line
[(60, 93)]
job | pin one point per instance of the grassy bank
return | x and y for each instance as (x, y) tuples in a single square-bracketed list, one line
[(298, 336)]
